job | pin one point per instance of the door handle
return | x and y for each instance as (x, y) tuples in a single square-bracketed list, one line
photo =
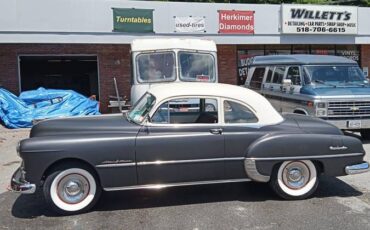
[(216, 131)]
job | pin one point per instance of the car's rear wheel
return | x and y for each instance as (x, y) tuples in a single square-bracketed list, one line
[(365, 134), (294, 180), (71, 189)]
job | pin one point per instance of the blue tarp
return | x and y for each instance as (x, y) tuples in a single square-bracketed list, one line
[(42, 104)]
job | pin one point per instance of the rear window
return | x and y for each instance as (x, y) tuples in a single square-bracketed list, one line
[(257, 78)]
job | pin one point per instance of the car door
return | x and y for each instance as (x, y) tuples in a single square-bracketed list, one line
[(240, 129), (182, 142)]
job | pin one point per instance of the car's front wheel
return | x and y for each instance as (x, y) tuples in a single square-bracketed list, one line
[(71, 189), (294, 180)]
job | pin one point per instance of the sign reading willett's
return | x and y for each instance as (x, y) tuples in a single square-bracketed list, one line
[(190, 24), (236, 22), (304, 19), (133, 20)]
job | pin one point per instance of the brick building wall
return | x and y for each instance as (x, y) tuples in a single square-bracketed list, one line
[(365, 56), (113, 61), (227, 64)]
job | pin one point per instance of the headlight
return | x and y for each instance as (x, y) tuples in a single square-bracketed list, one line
[(321, 105), (18, 148), (321, 113)]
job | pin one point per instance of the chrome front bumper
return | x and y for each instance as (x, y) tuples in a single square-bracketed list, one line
[(356, 169), (19, 184), (343, 124)]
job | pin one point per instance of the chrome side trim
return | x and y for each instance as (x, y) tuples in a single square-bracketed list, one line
[(252, 172), (356, 169), (305, 157), (160, 186), (159, 162), (115, 165)]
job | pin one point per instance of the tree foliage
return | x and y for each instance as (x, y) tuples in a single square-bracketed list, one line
[(324, 2)]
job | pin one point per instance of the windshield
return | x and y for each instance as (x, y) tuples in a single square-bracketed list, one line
[(332, 75), (197, 67), (156, 67), (141, 109)]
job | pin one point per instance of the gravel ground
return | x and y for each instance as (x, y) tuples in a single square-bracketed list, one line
[(339, 203)]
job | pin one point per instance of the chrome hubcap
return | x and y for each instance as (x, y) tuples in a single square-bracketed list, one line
[(73, 188), (296, 175)]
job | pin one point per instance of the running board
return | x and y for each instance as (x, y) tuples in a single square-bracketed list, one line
[(160, 186)]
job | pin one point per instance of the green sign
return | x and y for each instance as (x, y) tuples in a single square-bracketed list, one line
[(133, 20)]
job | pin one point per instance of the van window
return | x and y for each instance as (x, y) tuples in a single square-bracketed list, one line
[(293, 75), (278, 75), (269, 74), (197, 67), (257, 77), (156, 67)]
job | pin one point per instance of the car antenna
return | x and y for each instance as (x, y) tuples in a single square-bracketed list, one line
[(117, 94)]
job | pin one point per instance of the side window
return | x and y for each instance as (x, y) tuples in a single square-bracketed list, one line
[(278, 75), (187, 111), (237, 113), (293, 75), (257, 77), (269, 74)]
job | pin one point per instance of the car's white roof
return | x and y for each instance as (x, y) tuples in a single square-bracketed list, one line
[(263, 109), (172, 43)]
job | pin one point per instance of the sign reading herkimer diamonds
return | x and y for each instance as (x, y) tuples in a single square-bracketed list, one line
[(190, 24), (133, 20), (305, 19), (236, 22)]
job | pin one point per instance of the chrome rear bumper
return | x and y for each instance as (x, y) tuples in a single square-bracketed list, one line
[(356, 169), (19, 184)]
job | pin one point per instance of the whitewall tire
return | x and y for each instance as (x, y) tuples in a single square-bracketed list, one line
[(295, 179), (71, 190)]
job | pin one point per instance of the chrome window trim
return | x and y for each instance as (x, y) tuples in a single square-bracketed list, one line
[(160, 186)]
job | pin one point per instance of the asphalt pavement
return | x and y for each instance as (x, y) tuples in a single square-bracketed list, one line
[(339, 203)]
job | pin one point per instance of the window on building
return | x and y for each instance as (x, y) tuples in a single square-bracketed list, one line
[(277, 49), (300, 49), (323, 49), (349, 51), (244, 56)]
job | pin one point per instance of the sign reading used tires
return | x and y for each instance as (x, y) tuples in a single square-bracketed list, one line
[(236, 22), (190, 24), (305, 19), (133, 20)]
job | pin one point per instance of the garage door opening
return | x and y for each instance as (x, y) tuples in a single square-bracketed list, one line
[(78, 73)]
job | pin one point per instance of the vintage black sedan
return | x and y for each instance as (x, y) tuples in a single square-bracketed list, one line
[(183, 134)]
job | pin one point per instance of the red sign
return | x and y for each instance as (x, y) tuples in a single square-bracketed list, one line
[(236, 22)]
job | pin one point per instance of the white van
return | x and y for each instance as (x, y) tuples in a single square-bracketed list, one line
[(166, 60)]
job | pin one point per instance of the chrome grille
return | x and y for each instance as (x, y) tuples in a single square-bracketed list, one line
[(349, 108)]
